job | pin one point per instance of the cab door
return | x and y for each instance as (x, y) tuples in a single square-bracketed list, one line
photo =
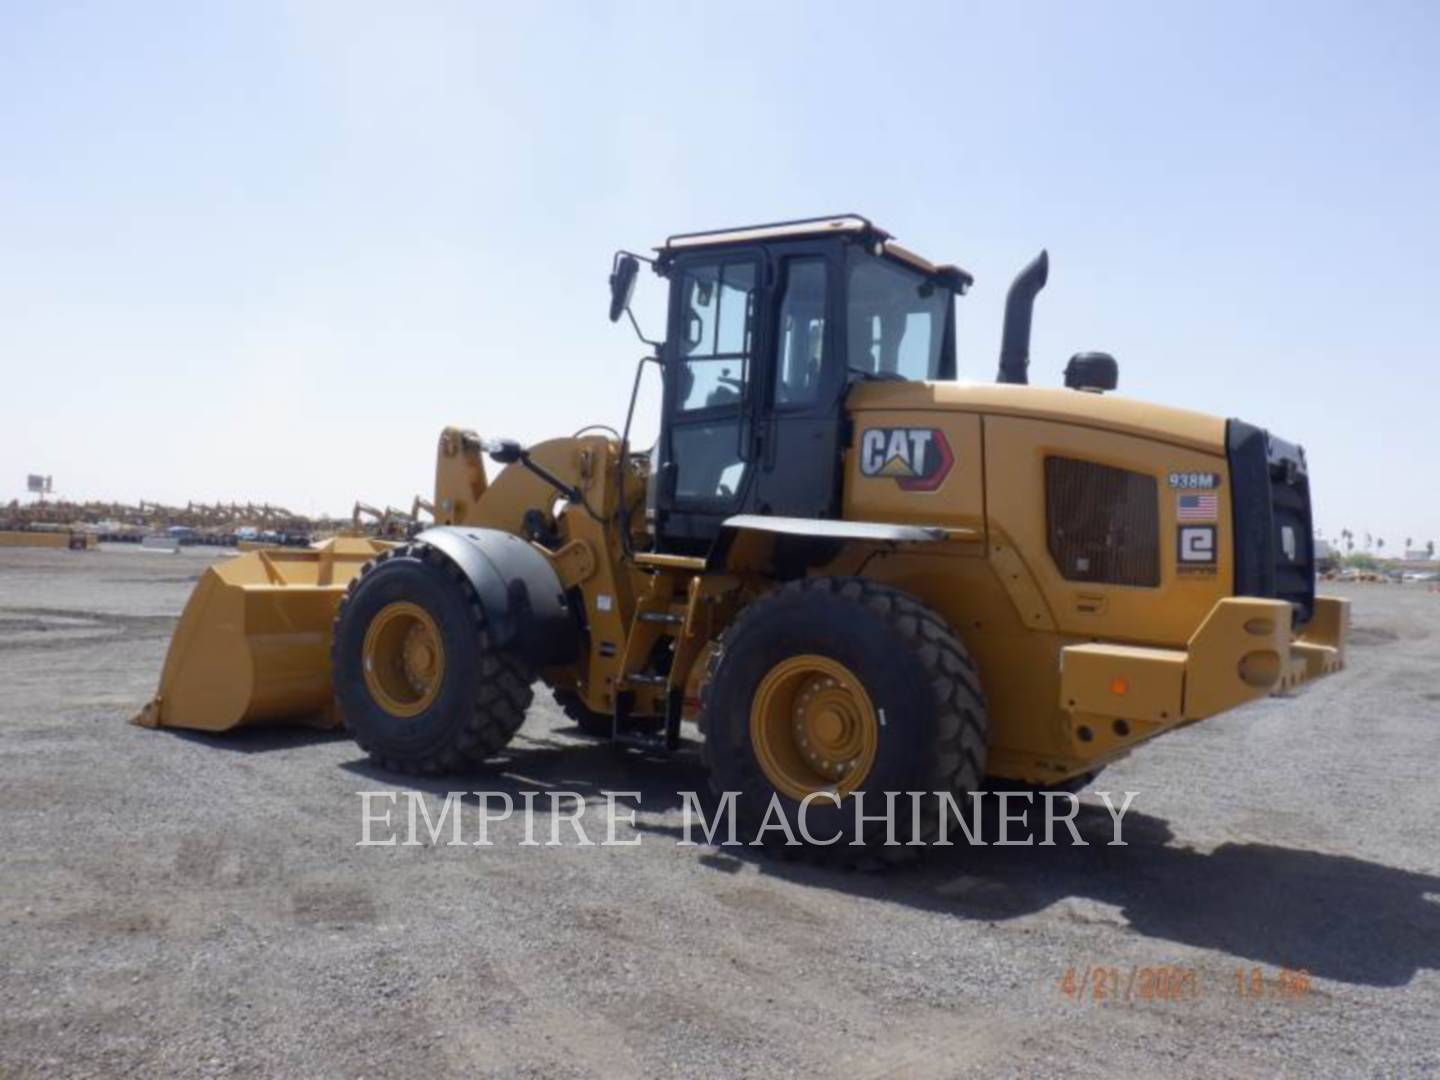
[(798, 433), (707, 432)]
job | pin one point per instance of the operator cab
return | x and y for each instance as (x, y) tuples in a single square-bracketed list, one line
[(768, 327)]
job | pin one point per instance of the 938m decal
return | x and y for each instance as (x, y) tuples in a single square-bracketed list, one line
[(917, 459), (1195, 481)]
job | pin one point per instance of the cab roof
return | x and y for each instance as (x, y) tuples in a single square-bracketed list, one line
[(853, 225)]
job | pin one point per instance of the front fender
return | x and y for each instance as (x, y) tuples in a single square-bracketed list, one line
[(522, 598)]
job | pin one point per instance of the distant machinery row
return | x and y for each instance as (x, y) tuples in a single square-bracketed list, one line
[(220, 524)]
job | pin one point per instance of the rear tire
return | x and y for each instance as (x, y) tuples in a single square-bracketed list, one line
[(429, 715), (917, 679)]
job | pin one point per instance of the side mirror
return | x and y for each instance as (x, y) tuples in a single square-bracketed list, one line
[(622, 285), (1093, 371)]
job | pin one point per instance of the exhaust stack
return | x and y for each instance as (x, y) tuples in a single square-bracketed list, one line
[(1019, 306)]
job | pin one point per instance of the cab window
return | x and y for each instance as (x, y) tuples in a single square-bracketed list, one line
[(897, 322), (717, 324), (800, 353)]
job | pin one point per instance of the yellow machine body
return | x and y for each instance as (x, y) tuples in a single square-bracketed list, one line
[(1076, 673)]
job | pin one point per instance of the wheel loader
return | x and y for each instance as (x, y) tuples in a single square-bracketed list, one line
[(850, 570)]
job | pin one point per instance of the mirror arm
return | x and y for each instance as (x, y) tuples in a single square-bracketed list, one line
[(638, 333)]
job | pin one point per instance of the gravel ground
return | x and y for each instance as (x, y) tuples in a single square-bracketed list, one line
[(180, 904)]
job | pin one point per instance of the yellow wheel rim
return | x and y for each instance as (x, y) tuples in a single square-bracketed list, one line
[(403, 658), (813, 727)]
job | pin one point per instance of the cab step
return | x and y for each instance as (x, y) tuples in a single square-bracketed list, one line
[(662, 742)]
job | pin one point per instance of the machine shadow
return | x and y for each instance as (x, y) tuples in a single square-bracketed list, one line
[(651, 782), (1333, 916), (260, 740)]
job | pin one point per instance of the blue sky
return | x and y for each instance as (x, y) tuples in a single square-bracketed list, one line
[(266, 251)]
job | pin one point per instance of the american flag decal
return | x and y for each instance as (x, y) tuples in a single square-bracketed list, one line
[(1197, 507)]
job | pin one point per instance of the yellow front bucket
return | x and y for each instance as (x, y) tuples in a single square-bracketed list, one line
[(253, 643)]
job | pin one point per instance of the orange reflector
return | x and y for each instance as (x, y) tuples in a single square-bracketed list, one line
[(1119, 685)]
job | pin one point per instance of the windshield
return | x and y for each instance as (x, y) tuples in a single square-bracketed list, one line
[(898, 322)]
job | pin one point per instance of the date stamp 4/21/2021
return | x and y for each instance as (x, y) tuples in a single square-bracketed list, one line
[(1174, 983)]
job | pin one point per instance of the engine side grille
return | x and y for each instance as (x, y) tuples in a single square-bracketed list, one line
[(1103, 523), (1270, 500)]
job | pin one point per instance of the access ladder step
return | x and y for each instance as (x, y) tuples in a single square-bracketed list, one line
[(666, 739)]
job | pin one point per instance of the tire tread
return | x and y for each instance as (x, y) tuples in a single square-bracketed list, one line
[(962, 728), (498, 709)]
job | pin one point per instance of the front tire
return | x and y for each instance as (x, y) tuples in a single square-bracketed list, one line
[(847, 685), (420, 686)]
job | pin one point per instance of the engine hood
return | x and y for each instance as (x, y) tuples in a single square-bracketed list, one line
[(1180, 427)]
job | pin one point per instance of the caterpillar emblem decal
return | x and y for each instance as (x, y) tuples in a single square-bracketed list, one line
[(917, 459)]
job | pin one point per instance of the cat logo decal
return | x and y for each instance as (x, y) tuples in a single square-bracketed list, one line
[(917, 459)]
